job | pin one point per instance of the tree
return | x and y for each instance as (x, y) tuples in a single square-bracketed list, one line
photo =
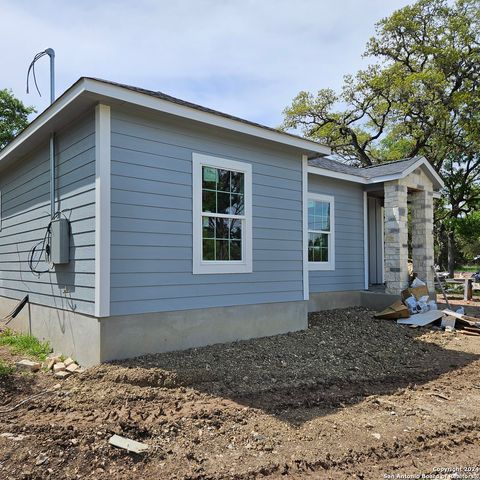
[(13, 117), (420, 96), (467, 229)]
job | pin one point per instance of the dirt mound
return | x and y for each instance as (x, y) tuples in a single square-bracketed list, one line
[(141, 377), (350, 397)]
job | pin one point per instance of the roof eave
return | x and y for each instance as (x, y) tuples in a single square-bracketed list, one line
[(121, 94), (144, 100), (45, 117), (422, 161), (324, 172)]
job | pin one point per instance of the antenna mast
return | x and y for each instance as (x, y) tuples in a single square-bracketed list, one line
[(51, 53)]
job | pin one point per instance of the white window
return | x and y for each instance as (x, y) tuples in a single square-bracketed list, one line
[(321, 235), (222, 215)]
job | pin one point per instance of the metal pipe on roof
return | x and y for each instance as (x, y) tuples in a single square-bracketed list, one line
[(51, 53)]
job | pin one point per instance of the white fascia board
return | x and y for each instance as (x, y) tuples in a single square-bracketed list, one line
[(68, 97), (145, 100)]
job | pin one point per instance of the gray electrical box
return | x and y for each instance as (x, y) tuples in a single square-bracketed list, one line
[(60, 241)]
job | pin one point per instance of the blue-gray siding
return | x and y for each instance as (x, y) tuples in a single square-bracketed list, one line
[(151, 256), (25, 211), (349, 273)]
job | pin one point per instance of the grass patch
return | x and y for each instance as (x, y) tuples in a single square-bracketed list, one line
[(468, 268), (5, 369), (26, 344)]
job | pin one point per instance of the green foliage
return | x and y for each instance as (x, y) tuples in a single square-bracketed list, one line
[(420, 96), (25, 344), (13, 117), (5, 369), (468, 234)]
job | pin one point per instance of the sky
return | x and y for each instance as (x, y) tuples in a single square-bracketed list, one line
[(244, 57)]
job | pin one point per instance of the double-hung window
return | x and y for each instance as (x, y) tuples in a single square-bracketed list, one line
[(321, 235), (222, 215)]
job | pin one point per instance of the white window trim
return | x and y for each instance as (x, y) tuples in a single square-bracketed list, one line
[(208, 267), (330, 265)]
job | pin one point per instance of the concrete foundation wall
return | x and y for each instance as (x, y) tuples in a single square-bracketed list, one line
[(90, 340), (72, 334), (332, 300), (133, 335)]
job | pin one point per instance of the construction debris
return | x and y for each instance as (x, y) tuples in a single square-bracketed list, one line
[(28, 366), (68, 361), (441, 287), (448, 321), (127, 444), (62, 368), (396, 310), (422, 319), (463, 319), (417, 310), (73, 367), (59, 367)]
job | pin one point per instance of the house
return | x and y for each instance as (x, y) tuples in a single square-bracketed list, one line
[(138, 223)]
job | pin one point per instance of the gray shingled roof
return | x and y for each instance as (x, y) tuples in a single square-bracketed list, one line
[(178, 101), (335, 166), (374, 171)]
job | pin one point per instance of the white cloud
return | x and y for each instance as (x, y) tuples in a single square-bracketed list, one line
[(245, 57)]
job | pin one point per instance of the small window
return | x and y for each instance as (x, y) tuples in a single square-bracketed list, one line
[(222, 239), (321, 245)]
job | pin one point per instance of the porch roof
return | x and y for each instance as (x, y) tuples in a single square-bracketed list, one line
[(375, 173)]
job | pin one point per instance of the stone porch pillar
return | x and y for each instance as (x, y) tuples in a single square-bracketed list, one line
[(422, 236), (396, 237)]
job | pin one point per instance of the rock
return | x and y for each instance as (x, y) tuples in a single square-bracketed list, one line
[(41, 459), (377, 436), (127, 444), (68, 361), (62, 374), (28, 366), (59, 367), (56, 357), (12, 436), (73, 367), (49, 363)]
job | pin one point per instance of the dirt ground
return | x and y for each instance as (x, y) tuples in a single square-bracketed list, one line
[(352, 397)]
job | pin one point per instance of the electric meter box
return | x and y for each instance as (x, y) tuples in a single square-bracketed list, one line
[(60, 241)]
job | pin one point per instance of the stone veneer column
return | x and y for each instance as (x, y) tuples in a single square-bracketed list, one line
[(422, 236), (396, 237)]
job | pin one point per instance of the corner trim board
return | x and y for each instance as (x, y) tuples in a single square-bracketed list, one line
[(306, 287), (365, 239), (102, 209)]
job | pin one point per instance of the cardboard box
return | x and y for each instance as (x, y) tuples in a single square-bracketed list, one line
[(417, 292), (394, 311)]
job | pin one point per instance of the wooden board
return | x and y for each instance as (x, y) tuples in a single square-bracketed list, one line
[(463, 318), (422, 319)]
